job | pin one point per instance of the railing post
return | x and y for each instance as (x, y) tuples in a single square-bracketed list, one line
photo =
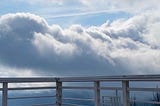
[(58, 93), (125, 86), (4, 94), (97, 93)]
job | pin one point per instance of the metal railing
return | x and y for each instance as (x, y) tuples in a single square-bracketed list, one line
[(96, 88)]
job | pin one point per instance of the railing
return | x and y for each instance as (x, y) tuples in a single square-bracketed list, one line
[(124, 88)]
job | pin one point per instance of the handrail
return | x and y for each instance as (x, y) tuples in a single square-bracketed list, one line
[(112, 78), (27, 79), (82, 79)]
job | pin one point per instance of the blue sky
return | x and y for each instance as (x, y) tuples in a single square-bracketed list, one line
[(63, 14), (79, 37)]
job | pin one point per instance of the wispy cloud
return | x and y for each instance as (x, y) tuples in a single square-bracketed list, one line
[(83, 13), (133, 6)]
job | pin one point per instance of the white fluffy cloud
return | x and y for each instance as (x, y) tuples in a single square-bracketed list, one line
[(48, 44), (121, 47)]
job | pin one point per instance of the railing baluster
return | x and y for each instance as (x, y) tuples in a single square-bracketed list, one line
[(125, 86), (59, 93), (97, 93), (4, 94)]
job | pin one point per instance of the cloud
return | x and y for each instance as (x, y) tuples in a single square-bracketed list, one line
[(47, 2), (66, 13), (82, 13), (16, 72), (48, 44), (130, 6), (127, 5), (128, 46)]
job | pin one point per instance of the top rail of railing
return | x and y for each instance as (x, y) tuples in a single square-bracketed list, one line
[(27, 79), (83, 79), (112, 78)]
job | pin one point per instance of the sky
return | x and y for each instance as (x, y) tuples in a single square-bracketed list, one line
[(79, 37)]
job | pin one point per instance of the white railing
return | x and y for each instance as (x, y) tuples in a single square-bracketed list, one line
[(97, 88)]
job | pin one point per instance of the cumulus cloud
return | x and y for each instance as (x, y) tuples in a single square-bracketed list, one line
[(47, 44), (120, 47)]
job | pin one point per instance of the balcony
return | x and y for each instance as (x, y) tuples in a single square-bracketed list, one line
[(122, 96)]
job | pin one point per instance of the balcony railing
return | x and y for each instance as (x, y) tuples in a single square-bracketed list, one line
[(97, 87)]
